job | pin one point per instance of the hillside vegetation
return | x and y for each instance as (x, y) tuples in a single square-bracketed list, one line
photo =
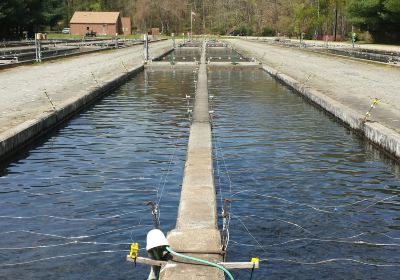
[(314, 18)]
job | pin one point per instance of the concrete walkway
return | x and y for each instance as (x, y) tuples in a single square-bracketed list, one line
[(22, 89), (35, 99), (196, 231), (344, 44), (349, 82)]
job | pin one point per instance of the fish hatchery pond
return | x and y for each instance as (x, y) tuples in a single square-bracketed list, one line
[(310, 198)]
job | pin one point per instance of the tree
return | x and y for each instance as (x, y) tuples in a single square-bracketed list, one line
[(290, 17), (380, 17)]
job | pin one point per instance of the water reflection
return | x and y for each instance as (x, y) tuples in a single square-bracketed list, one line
[(83, 189), (303, 186)]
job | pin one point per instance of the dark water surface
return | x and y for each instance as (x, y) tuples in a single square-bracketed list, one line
[(304, 188), (219, 54), (83, 189), (183, 54)]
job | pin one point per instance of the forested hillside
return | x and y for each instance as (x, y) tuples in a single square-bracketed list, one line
[(246, 17)]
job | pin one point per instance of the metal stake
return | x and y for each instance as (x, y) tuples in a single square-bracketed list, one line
[(154, 212)]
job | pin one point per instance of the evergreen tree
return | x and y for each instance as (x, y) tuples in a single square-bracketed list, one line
[(380, 17)]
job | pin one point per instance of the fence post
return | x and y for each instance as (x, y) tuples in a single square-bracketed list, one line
[(146, 47), (38, 50)]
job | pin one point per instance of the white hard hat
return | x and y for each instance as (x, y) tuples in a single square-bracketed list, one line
[(155, 238)]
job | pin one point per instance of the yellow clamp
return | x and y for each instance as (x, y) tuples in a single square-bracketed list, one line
[(376, 101), (134, 251), (255, 262)]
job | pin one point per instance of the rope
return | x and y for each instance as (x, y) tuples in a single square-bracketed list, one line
[(318, 208), (62, 257), (326, 238), (357, 242), (331, 260), (89, 191), (73, 237), (159, 194), (218, 170), (164, 177), (71, 219), (62, 244), (248, 231), (218, 153)]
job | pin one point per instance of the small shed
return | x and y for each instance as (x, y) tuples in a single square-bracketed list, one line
[(155, 31), (103, 23), (126, 25)]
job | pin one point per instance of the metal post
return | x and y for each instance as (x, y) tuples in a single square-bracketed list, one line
[(40, 51), (146, 47), (154, 213), (36, 49)]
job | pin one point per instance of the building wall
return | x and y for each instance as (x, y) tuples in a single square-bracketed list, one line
[(100, 29), (155, 31), (126, 25)]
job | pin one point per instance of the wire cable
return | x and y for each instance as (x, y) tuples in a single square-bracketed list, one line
[(62, 257), (331, 260)]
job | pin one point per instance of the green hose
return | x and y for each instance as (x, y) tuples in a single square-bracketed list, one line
[(201, 261)]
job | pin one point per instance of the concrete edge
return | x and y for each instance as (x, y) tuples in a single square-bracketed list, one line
[(326, 53), (167, 65), (205, 238), (230, 66), (47, 59), (27, 132), (384, 137)]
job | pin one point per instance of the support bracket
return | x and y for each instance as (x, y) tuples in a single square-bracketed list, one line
[(227, 265)]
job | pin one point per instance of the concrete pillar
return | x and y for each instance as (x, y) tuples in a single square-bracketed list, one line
[(146, 47)]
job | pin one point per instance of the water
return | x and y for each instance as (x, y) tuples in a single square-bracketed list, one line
[(220, 54), (303, 186), (89, 182), (183, 54)]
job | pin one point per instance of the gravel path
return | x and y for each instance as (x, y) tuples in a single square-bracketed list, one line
[(22, 89), (352, 83)]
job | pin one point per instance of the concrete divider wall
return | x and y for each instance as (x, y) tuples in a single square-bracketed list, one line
[(196, 231), (69, 55)]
